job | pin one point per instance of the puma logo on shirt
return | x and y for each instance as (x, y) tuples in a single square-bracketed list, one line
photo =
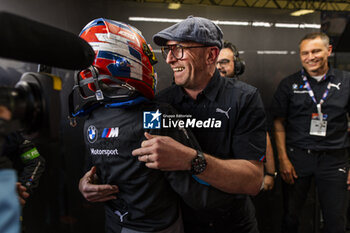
[(121, 216), (224, 112), (334, 85)]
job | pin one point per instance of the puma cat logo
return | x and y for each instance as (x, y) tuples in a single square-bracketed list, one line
[(334, 85), (121, 216), (342, 170), (224, 112)]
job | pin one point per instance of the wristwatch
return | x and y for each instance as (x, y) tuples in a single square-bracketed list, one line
[(274, 175), (198, 163)]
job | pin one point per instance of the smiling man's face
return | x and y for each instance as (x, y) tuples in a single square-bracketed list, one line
[(314, 55), (188, 69)]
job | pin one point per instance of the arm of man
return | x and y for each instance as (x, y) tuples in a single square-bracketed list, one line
[(196, 193), (247, 175), (243, 174), (269, 165), (287, 170), (32, 171), (32, 162), (26, 159), (162, 152)]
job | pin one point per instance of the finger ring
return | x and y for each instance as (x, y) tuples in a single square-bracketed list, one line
[(147, 161)]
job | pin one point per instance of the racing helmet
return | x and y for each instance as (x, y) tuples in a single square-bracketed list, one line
[(122, 58)]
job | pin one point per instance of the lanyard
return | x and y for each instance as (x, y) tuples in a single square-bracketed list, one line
[(311, 93)]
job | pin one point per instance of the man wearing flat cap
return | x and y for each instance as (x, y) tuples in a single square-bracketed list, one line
[(228, 119)]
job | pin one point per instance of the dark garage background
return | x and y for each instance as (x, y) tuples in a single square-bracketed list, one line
[(270, 54)]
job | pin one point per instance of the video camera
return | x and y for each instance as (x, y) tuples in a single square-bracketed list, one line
[(34, 102)]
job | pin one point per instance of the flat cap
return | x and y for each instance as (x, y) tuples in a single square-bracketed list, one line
[(196, 29)]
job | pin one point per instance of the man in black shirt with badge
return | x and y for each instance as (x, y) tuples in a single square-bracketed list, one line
[(310, 117), (233, 142)]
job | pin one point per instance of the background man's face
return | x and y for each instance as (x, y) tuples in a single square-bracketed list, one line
[(314, 55), (225, 63)]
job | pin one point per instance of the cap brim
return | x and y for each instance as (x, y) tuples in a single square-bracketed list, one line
[(161, 40)]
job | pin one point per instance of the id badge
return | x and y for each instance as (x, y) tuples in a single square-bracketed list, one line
[(318, 127)]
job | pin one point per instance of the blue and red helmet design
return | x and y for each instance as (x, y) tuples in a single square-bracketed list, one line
[(122, 53)]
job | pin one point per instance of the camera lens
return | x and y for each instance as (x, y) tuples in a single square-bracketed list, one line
[(24, 103)]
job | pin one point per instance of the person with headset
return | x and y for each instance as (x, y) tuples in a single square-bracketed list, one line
[(231, 65), (120, 86)]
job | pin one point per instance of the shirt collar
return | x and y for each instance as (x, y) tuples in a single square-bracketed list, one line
[(330, 73), (210, 91), (329, 76)]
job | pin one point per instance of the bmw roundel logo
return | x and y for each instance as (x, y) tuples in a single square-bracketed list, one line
[(92, 134)]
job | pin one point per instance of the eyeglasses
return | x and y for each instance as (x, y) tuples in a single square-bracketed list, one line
[(223, 62), (177, 50)]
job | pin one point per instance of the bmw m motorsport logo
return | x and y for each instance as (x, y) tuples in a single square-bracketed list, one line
[(92, 134), (110, 132), (151, 120)]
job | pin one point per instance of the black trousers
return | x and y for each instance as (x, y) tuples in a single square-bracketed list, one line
[(330, 170), (241, 219)]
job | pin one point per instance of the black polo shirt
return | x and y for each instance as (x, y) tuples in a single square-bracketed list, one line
[(242, 135), (236, 105), (293, 102)]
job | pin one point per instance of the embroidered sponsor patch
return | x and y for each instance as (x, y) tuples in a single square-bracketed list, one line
[(30, 154), (105, 152), (110, 132), (92, 134)]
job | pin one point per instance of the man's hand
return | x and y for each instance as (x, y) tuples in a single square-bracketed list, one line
[(5, 113), (287, 171), (96, 192), (165, 153), (22, 193), (268, 182), (348, 180)]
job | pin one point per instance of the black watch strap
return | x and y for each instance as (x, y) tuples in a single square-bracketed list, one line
[(271, 174), (198, 163)]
